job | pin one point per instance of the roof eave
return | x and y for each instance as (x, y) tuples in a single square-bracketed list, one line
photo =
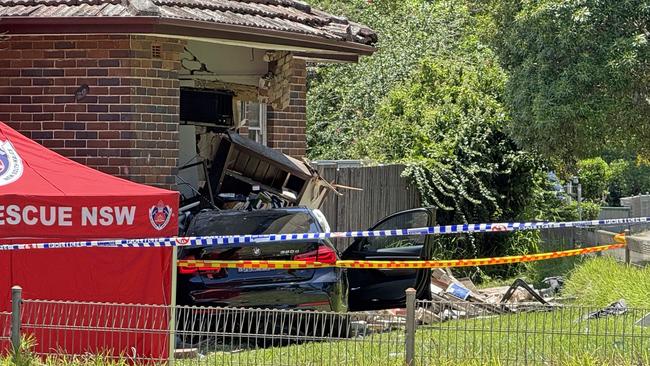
[(178, 27)]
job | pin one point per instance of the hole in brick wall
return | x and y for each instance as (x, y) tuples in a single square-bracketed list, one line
[(156, 51), (81, 92)]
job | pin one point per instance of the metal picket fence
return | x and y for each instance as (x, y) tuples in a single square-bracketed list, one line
[(425, 333), (530, 334)]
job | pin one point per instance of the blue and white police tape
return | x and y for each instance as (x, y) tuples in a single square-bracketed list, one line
[(250, 239)]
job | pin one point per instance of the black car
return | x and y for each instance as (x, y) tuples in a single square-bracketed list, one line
[(334, 289)]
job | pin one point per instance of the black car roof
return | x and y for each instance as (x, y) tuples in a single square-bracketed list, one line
[(255, 212)]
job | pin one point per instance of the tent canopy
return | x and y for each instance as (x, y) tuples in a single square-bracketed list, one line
[(45, 197)]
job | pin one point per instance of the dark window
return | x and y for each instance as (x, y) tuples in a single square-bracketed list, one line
[(405, 220), (254, 223), (211, 107)]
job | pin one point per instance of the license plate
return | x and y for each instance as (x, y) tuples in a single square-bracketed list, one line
[(245, 270)]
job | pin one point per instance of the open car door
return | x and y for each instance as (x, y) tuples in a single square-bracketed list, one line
[(385, 288)]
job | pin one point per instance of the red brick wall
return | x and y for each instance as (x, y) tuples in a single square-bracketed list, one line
[(286, 128), (127, 125)]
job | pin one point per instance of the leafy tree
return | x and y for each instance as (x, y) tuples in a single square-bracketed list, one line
[(628, 178), (446, 124), (606, 183), (343, 96), (595, 176), (579, 74)]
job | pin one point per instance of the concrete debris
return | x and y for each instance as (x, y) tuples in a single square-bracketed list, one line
[(388, 320), (393, 312), (358, 328), (495, 294), (436, 290), (425, 316), (379, 321), (519, 283), (185, 353), (454, 288), (461, 299), (555, 284), (442, 278), (449, 314), (613, 309), (388, 324), (469, 284)]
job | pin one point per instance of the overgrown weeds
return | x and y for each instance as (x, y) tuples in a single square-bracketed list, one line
[(26, 357), (603, 280)]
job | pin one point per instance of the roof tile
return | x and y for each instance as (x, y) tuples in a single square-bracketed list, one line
[(282, 15)]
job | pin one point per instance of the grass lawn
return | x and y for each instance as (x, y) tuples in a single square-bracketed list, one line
[(548, 338), (602, 280), (542, 338)]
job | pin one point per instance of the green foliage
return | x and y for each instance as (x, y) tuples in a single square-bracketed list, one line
[(595, 176), (437, 98), (590, 211), (628, 178), (431, 98), (446, 124), (606, 183), (601, 281), (26, 357), (579, 73), (341, 97)]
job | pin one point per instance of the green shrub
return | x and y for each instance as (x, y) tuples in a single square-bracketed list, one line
[(628, 178), (595, 175)]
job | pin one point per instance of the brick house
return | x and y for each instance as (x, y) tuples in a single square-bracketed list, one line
[(132, 87)]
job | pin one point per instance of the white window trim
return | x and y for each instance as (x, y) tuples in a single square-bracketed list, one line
[(262, 127)]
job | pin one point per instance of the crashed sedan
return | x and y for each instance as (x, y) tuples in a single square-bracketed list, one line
[(331, 288)]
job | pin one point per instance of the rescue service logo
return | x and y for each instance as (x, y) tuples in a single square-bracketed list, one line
[(159, 215), (11, 165)]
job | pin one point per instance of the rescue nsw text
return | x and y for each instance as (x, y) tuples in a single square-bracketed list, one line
[(66, 215)]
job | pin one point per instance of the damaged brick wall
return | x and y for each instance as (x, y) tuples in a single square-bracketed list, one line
[(127, 122), (286, 127)]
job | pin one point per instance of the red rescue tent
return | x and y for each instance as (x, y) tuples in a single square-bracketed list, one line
[(45, 197)]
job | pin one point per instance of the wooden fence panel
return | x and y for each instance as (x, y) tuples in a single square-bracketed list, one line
[(385, 192)]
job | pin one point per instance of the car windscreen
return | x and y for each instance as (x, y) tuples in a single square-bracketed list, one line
[(254, 223)]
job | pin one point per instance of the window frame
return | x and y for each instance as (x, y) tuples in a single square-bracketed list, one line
[(261, 130)]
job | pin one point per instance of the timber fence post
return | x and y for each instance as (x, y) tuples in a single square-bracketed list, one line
[(16, 304), (410, 327)]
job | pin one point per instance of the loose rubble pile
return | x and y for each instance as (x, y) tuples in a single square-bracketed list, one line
[(454, 298), (236, 173), (459, 298)]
